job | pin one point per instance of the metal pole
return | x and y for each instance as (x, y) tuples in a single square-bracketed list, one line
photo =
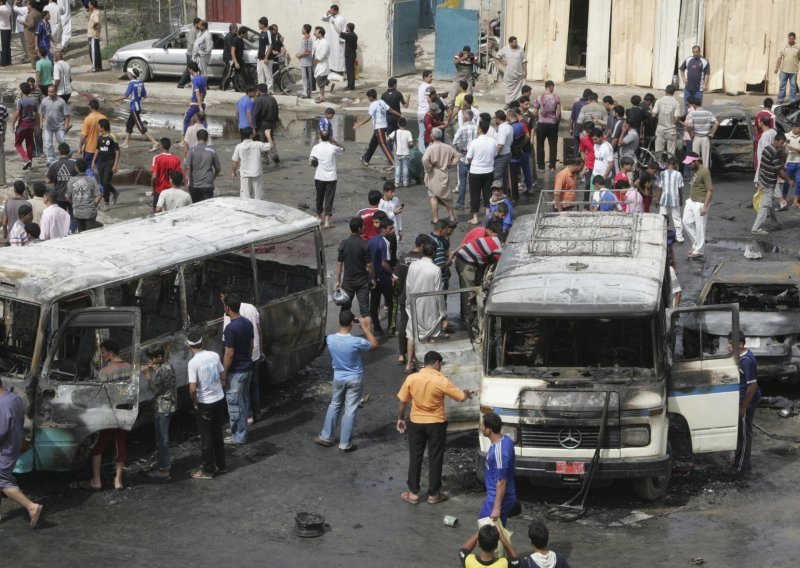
[(3, 162)]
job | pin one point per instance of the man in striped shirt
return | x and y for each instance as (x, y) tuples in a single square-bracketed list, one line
[(770, 169), (474, 256), (702, 125), (466, 133)]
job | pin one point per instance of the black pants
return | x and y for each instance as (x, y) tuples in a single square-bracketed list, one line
[(350, 70), (5, 47), (419, 436), (187, 76), (744, 440), (480, 190), (210, 420), (360, 294), (86, 224), (549, 132), (326, 191), (201, 193), (382, 288), (105, 176), (95, 55), (515, 169), (402, 323), (66, 97), (378, 139)]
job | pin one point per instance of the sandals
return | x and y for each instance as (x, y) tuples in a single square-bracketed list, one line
[(200, 474), (411, 369), (436, 499), (410, 498), (36, 516), (401, 359), (87, 485)]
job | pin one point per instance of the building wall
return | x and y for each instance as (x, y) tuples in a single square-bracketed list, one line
[(741, 39), (372, 19)]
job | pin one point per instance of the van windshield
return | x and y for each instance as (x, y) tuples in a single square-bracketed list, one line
[(528, 342), (18, 324)]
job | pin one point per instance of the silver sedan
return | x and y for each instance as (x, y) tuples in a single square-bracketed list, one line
[(166, 57)]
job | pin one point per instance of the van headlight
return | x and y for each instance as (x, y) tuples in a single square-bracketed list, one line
[(637, 436), (510, 431)]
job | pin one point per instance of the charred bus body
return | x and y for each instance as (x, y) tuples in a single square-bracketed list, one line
[(147, 282), (582, 354)]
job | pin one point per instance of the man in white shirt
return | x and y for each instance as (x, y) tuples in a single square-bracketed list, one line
[(505, 136), (201, 49), (603, 156), (174, 197), (322, 53), (246, 163), (55, 221), (323, 157), (378, 111), (66, 22), (335, 23), (481, 153), (62, 76), (423, 104), (6, 25)]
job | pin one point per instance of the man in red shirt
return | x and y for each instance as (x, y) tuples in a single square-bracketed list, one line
[(472, 259), (472, 235), (370, 230), (163, 163), (586, 148)]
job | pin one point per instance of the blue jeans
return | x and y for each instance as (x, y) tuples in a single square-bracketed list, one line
[(792, 78), (162, 441), (58, 134), (349, 393), (463, 174), (401, 170), (237, 396), (687, 94), (792, 170)]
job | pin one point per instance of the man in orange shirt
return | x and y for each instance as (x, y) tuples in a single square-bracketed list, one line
[(565, 185), (90, 131), (427, 424)]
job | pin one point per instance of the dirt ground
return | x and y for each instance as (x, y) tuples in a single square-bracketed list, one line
[(247, 516)]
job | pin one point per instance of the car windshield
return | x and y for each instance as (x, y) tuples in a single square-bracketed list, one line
[(522, 342), (756, 297), (18, 324)]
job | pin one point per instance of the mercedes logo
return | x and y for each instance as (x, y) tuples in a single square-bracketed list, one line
[(570, 438)]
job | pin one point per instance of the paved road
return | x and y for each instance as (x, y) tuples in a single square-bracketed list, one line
[(247, 516)]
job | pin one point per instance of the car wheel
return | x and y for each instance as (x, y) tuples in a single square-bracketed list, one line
[(141, 66)]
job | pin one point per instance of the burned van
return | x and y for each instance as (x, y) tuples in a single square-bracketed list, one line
[(146, 282), (579, 352), (769, 313)]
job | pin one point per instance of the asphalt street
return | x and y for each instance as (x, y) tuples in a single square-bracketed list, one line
[(246, 517)]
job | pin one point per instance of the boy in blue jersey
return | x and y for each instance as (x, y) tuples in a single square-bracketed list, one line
[(501, 492), (749, 397), (135, 93), (197, 104)]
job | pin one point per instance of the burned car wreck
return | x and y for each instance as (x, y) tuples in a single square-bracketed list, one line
[(733, 146), (769, 314)]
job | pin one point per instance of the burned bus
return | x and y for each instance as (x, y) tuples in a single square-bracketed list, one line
[(146, 282)]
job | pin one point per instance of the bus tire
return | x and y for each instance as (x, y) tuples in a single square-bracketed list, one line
[(655, 487)]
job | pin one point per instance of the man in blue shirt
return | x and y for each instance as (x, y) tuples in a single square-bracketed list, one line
[(749, 397), (244, 113), (197, 104), (382, 269), (135, 93), (348, 374), (238, 363), (501, 491)]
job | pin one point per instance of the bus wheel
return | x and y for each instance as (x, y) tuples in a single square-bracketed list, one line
[(655, 487)]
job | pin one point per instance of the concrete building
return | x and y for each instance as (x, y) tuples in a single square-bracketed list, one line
[(642, 42)]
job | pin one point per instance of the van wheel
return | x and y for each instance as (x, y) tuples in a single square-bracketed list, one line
[(655, 487), (480, 468)]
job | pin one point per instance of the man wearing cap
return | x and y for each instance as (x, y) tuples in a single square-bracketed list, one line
[(695, 212), (136, 92), (770, 168), (427, 424), (348, 375)]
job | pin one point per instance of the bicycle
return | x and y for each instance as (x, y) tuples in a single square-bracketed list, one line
[(286, 78)]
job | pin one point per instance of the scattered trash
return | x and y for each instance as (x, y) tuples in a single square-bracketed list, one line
[(632, 519), (309, 525), (776, 402), (303, 206), (696, 561), (450, 520)]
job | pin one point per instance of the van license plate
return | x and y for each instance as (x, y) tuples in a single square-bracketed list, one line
[(570, 468), (753, 342)]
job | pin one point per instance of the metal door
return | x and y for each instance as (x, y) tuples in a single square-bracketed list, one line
[(224, 11), (404, 37), (455, 28)]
